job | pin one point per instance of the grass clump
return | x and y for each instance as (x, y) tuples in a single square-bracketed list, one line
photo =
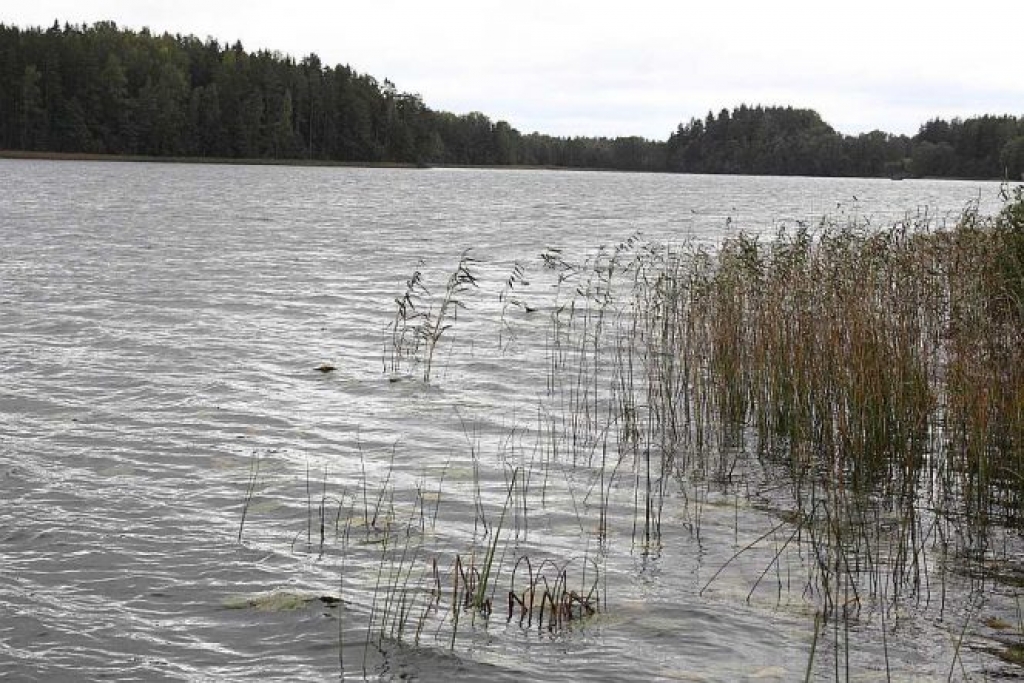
[(421, 319)]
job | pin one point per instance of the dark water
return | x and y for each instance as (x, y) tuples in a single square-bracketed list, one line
[(160, 326)]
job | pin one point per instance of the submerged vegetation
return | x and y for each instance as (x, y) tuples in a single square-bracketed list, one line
[(866, 386)]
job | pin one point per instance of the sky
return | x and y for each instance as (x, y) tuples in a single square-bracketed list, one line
[(632, 67)]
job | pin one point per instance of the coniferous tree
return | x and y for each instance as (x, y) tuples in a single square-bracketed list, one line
[(100, 88)]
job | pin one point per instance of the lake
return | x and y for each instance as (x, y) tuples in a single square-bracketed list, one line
[(186, 496)]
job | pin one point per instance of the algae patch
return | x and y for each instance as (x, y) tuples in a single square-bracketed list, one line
[(278, 601)]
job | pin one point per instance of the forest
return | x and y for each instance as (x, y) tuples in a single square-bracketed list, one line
[(101, 89)]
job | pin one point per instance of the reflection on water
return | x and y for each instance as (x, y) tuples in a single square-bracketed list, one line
[(160, 328)]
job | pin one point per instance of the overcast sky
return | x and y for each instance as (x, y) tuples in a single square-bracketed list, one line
[(633, 67)]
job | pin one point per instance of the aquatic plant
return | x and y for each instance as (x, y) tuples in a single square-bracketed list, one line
[(420, 321), (866, 385), (875, 376), (250, 491)]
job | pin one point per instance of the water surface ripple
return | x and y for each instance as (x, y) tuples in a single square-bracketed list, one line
[(161, 324)]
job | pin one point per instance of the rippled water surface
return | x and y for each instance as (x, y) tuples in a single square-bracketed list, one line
[(160, 330)]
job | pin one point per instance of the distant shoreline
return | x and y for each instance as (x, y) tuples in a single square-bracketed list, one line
[(83, 156), (227, 161), (323, 163)]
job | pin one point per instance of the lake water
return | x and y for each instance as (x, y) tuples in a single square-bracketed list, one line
[(161, 327)]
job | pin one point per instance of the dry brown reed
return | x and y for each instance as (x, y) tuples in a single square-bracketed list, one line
[(883, 370), (879, 372), (875, 376)]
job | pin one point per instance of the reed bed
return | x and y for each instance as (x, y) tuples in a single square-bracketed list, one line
[(866, 384), (877, 374)]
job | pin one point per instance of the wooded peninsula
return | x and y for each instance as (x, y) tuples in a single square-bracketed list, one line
[(103, 90)]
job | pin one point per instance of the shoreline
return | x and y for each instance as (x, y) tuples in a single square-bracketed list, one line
[(25, 155), (223, 161)]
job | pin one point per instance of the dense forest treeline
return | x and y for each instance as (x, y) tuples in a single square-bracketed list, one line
[(101, 89)]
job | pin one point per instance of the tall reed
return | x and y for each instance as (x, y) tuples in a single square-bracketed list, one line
[(875, 378), (880, 371)]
